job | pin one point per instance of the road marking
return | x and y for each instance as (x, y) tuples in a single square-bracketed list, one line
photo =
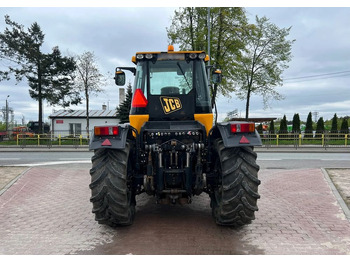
[(269, 159), (297, 159), (74, 159), (332, 159)]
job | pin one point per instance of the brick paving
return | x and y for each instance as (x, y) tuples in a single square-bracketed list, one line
[(47, 211), (298, 214)]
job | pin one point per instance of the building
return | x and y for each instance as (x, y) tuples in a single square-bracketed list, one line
[(73, 122), (264, 121)]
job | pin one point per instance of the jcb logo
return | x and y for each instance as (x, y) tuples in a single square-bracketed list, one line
[(170, 104)]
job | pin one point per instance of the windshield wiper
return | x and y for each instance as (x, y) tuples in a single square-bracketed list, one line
[(182, 71)]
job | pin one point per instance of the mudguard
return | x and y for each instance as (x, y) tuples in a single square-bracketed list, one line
[(112, 142), (237, 139)]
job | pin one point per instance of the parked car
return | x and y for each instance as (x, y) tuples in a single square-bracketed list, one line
[(34, 127), (21, 130)]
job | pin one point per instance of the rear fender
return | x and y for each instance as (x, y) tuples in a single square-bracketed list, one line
[(242, 139), (111, 142)]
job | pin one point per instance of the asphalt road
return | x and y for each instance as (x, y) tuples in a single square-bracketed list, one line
[(266, 159), (298, 160), (44, 158)]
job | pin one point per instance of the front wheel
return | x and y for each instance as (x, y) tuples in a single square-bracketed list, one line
[(111, 194), (234, 200)]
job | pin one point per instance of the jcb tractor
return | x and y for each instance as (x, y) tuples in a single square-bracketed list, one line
[(171, 149)]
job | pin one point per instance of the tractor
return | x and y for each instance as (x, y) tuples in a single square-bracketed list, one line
[(172, 148)]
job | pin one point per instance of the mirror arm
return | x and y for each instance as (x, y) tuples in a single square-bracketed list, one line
[(131, 69)]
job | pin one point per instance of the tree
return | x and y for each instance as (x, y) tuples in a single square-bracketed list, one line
[(88, 79), (320, 125), (345, 126), (267, 53), (124, 109), (49, 76), (308, 126), (272, 127), (296, 123), (334, 128), (2, 126), (260, 128), (189, 29), (283, 126)]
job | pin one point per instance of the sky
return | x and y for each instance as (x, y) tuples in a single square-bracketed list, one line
[(317, 79)]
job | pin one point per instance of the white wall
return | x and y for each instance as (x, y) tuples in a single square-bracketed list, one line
[(62, 125)]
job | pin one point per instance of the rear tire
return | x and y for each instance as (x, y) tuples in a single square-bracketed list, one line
[(234, 201), (111, 194)]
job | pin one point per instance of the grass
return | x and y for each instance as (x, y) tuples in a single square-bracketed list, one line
[(334, 141)]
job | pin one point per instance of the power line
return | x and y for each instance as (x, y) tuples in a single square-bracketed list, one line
[(315, 79), (323, 76)]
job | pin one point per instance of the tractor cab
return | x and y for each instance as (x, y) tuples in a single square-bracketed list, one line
[(169, 86)]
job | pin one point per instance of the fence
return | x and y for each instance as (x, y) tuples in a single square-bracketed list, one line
[(295, 139), (52, 139), (269, 140)]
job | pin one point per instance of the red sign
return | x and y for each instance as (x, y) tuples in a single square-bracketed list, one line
[(59, 121)]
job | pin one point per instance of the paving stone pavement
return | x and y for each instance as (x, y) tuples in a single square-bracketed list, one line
[(300, 215), (47, 211)]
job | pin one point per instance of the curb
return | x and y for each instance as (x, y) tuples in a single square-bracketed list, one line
[(13, 181), (337, 195)]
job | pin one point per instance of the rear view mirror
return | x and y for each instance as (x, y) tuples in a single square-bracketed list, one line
[(119, 78), (216, 76)]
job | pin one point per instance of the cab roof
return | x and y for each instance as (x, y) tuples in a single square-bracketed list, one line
[(170, 51)]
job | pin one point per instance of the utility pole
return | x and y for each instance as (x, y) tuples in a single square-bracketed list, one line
[(7, 114), (315, 116), (208, 23)]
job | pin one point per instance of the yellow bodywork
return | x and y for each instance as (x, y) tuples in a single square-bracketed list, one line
[(137, 121), (206, 120)]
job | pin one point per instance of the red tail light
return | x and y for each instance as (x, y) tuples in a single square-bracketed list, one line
[(139, 99), (106, 130), (243, 128)]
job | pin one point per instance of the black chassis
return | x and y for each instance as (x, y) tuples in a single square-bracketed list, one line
[(174, 159), (173, 155)]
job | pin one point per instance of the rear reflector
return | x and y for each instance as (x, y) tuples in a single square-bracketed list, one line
[(106, 143), (106, 130), (139, 99), (244, 140), (243, 128)]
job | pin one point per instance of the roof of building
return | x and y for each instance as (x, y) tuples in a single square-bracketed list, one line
[(255, 119), (82, 114)]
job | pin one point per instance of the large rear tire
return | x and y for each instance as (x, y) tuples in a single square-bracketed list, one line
[(111, 194), (234, 201)]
